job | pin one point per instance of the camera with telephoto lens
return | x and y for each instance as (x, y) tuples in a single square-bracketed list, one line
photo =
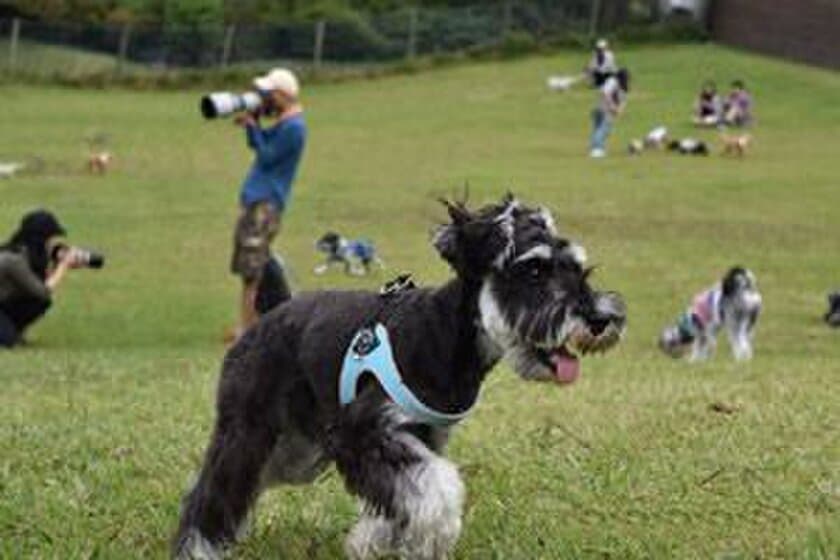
[(86, 257), (224, 104)]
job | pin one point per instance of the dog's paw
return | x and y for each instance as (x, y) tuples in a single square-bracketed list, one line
[(195, 547)]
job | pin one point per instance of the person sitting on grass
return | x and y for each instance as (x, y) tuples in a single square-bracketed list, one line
[(602, 64), (708, 109), (738, 108), (28, 274), (612, 98)]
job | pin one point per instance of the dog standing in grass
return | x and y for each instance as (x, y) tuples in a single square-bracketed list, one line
[(374, 382), (736, 145), (733, 303), (99, 162)]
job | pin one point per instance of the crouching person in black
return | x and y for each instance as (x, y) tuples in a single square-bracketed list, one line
[(32, 265)]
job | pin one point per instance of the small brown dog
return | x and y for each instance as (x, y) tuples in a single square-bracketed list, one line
[(98, 162), (735, 144)]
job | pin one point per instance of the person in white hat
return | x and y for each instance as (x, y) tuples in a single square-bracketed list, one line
[(278, 147), (602, 63)]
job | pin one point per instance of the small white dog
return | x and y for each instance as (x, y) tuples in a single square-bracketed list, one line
[(9, 170), (734, 303), (563, 83)]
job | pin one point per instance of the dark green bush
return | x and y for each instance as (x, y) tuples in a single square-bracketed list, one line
[(517, 43)]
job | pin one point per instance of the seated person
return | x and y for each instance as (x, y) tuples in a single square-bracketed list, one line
[(602, 64), (28, 274), (737, 110), (708, 109)]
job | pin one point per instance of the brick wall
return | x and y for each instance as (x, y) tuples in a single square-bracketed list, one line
[(805, 30)]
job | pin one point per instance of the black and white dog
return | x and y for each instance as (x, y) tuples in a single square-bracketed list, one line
[(689, 146), (357, 256), (374, 382), (734, 303)]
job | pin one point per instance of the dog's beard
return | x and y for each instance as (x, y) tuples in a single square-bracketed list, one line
[(546, 344), (745, 302)]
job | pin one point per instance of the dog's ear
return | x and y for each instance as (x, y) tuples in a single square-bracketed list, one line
[(475, 243), (733, 280)]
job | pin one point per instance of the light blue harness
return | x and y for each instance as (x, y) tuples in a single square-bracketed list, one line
[(370, 351)]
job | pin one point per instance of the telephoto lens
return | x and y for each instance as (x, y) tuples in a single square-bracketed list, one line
[(224, 104), (87, 258), (92, 259)]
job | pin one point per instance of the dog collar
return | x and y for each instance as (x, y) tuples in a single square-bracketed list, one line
[(371, 352)]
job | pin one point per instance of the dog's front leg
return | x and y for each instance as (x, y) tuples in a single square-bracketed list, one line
[(703, 347), (739, 340), (411, 498)]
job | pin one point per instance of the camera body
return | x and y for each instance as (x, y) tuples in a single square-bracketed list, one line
[(86, 257), (224, 104)]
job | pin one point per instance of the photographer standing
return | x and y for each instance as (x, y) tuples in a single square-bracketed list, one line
[(28, 274), (266, 189)]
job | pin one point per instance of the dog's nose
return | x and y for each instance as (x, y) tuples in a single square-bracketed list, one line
[(609, 310), (598, 325)]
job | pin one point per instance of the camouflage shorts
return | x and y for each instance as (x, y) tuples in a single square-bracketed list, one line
[(255, 229)]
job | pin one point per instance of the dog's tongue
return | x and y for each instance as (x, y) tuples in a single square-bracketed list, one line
[(566, 367)]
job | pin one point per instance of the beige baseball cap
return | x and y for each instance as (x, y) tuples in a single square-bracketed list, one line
[(279, 79), (602, 43)]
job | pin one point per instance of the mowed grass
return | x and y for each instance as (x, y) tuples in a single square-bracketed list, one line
[(103, 418)]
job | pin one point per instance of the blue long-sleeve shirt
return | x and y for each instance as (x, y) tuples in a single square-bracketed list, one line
[(277, 153)]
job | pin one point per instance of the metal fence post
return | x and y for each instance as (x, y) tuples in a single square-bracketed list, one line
[(594, 16), (125, 37), (318, 52), (228, 44), (411, 45), (507, 17), (13, 43)]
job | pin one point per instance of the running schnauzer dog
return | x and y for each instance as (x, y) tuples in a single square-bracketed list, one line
[(356, 255), (734, 303), (373, 382)]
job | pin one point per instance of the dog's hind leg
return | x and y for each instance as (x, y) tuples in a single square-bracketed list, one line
[(215, 510), (250, 412), (412, 498)]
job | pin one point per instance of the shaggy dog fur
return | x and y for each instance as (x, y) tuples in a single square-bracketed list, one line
[(519, 291)]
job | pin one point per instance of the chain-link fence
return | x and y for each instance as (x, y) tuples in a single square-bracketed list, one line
[(56, 48)]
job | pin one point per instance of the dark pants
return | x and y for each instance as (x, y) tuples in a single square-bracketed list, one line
[(17, 315)]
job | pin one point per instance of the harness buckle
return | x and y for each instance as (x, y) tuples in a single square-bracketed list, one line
[(366, 342)]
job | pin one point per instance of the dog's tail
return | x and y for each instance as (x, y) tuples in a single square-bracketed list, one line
[(273, 288)]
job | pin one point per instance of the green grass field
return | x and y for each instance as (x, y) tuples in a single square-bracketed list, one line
[(103, 417)]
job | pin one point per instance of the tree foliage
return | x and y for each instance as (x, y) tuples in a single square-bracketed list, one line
[(200, 12)]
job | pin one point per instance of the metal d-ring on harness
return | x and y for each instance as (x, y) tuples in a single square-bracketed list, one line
[(371, 352)]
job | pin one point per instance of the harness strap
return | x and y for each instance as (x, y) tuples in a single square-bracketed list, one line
[(370, 351)]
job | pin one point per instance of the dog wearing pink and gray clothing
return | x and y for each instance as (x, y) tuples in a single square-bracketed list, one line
[(733, 303)]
